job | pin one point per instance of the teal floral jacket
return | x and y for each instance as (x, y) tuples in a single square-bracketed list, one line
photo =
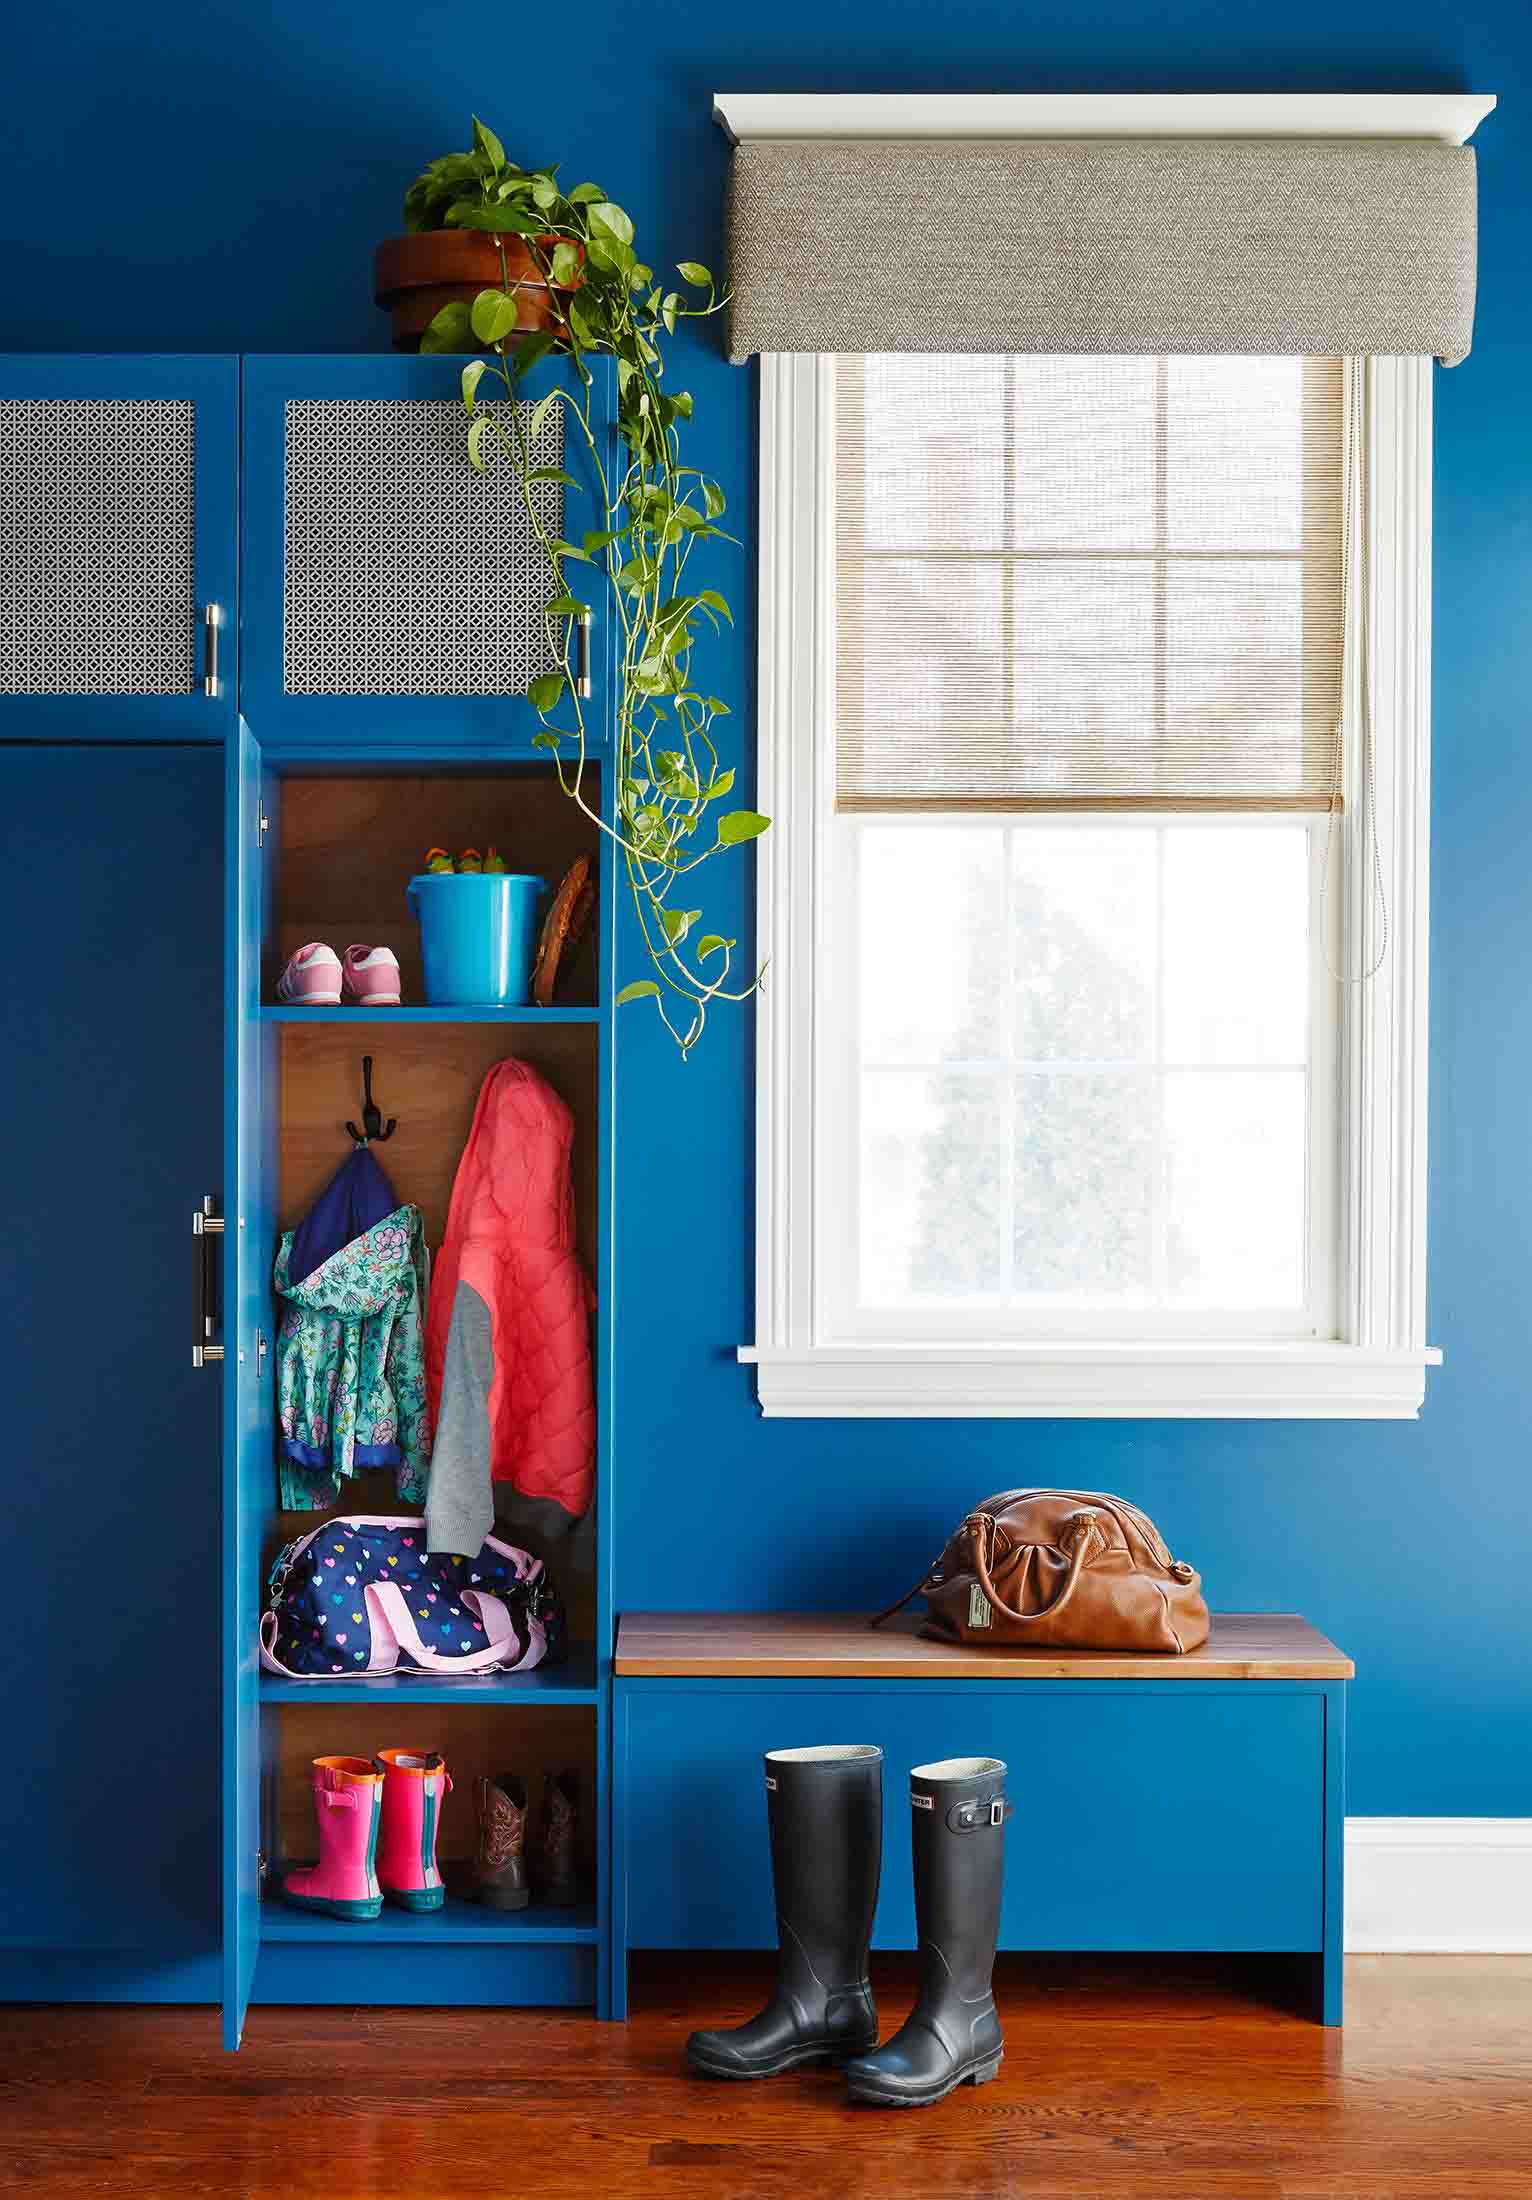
[(351, 1377)]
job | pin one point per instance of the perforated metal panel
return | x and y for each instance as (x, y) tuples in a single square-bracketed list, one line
[(406, 572), (97, 510)]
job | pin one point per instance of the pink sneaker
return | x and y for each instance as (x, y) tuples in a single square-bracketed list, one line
[(312, 976), (371, 975)]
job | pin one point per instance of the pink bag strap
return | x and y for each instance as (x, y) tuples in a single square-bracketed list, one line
[(388, 1599)]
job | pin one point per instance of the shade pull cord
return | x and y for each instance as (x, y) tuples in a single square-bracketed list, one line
[(1355, 597)]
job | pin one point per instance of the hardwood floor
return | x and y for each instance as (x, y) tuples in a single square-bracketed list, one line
[(1119, 2079)]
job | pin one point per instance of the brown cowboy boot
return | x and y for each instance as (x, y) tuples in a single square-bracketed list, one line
[(559, 1875), (500, 1866)]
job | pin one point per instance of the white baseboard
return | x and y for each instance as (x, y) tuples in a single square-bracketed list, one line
[(1439, 1886)]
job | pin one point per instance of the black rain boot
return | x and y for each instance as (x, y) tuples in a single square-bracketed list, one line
[(826, 1812), (952, 2035)]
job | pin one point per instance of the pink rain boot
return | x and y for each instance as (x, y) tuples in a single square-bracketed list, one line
[(348, 1802), (414, 1789)]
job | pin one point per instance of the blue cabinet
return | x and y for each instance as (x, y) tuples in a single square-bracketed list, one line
[(393, 598), (110, 862), (1184, 1818), (118, 548), (232, 592), (391, 614)]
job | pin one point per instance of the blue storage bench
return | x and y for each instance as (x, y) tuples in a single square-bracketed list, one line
[(1160, 1803)]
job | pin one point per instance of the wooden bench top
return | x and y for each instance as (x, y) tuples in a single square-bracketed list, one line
[(1243, 1646)]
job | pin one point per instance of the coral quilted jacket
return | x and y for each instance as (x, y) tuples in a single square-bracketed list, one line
[(508, 1364)]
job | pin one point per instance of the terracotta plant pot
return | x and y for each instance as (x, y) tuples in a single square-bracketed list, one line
[(415, 276)]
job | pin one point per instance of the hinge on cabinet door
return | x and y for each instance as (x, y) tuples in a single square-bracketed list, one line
[(262, 1865), (261, 1349), (261, 823)]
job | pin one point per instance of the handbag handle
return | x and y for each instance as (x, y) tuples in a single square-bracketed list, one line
[(1079, 1528)]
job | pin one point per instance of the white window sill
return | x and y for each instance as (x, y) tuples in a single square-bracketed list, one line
[(1114, 1382)]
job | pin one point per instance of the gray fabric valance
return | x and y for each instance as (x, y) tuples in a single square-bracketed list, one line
[(1207, 245)]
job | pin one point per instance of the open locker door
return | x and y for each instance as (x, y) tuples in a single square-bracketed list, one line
[(250, 1101)]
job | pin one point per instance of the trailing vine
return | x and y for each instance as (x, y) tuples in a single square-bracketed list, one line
[(654, 513)]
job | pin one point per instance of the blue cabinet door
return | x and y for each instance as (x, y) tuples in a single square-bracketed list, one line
[(1177, 1816), (119, 481), (110, 1103), (392, 597), (250, 1133)]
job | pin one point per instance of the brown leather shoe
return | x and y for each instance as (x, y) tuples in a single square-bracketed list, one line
[(500, 1864), (558, 1874)]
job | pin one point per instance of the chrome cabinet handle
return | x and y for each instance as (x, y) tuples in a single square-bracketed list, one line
[(206, 1225), (582, 654), (212, 622)]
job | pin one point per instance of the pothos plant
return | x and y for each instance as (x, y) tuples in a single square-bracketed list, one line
[(672, 783)]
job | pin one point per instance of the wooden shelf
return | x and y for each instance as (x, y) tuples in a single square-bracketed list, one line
[(353, 1014), (834, 1645), (456, 1920), (573, 1682)]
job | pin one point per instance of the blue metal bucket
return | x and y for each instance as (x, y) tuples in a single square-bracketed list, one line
[(478, 935)]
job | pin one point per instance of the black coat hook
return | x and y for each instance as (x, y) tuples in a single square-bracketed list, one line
[(372, 1131)]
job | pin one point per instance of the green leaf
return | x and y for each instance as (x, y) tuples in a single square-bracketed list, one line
[(493, 316), (488, 144), (693, 271), (565, 607), (737, 825), (531, 349), (544, 191), (642, 989), (719, 784), (710, 943), (597, 538), (451, 330), (713, 499), (676, 923), (540, 414), (553, 473), (586, 194), (543, 692), (473, 375), (564, 262), (502, 221), (583, 321), (681, 403), (610, 221), (476, 432), (711, 597)]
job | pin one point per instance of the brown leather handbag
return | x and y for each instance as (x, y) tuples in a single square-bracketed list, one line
[(1061, 1569)]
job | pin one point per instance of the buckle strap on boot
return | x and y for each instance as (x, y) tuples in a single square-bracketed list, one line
[(983, 1810)]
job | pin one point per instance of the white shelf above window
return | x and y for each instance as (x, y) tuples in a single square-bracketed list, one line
[(1445, 118)]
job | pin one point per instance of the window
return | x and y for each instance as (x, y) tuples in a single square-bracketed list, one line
[(1063, 1108)]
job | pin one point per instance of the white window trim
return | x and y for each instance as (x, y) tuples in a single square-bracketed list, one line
[(1376, 1371)]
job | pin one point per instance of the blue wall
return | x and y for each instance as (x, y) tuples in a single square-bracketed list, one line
[(214, 177)]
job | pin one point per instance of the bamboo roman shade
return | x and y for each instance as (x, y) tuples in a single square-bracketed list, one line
[(1087, 582), (1217, 244)]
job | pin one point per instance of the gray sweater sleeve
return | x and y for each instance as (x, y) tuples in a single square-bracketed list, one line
[(460, 1506)]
